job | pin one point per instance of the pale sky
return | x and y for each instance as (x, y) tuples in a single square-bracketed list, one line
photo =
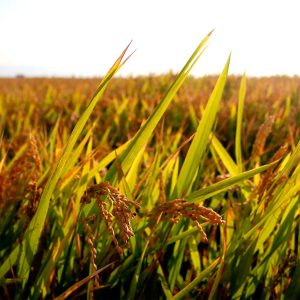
[(83, 38)]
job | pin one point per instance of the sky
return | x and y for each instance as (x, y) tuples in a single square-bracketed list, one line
[(83, 38)]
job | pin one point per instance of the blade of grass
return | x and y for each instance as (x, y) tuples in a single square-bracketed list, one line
[(108, 159), (177, 259), (184, 292), (143, 135), (184, 234), (78, 284), (194, 253), (223, 185), (200, 141), (272, 210), (32, 235), (163, 281), (132, 175), (44, 278), (10, 261), (238, 133), (221, 268), (136, 275), (76, 153), (224, 155)]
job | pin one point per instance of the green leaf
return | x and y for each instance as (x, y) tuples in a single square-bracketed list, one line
[(10, 261), (238, 134), (184, 234), (144, 134), (200, 141), (136, 275), (293, 291), (289, 191), (164, 283), (132, 175), (194, 253), (78, 284), (177, 259), (224, 156), (32, 235), (107, 160), (195, 282), (223, 185)]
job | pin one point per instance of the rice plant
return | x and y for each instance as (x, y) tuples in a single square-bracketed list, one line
[(158, 187)]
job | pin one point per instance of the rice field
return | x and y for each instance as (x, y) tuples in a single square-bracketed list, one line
[(150, 187)]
